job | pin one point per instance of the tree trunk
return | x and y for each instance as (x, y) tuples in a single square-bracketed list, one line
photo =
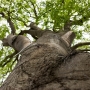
[(48, 65)]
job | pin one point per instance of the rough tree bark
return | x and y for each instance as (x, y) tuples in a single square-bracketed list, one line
[(48, 64)]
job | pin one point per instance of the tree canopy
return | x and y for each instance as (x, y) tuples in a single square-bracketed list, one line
[(56, 15)]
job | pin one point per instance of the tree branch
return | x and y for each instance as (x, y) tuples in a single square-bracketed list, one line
[(69, 23), (34, 26), (19, 19), (80, 44), (83, 50), (5, 43), (68, 37), (7, 59), (11, 24), (2, 14), (9, 21), (35, 31), (34, 9)]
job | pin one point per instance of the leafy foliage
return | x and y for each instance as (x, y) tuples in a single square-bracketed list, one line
[(57, 15)]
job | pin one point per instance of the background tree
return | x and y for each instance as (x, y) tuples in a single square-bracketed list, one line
[(55, 15)]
